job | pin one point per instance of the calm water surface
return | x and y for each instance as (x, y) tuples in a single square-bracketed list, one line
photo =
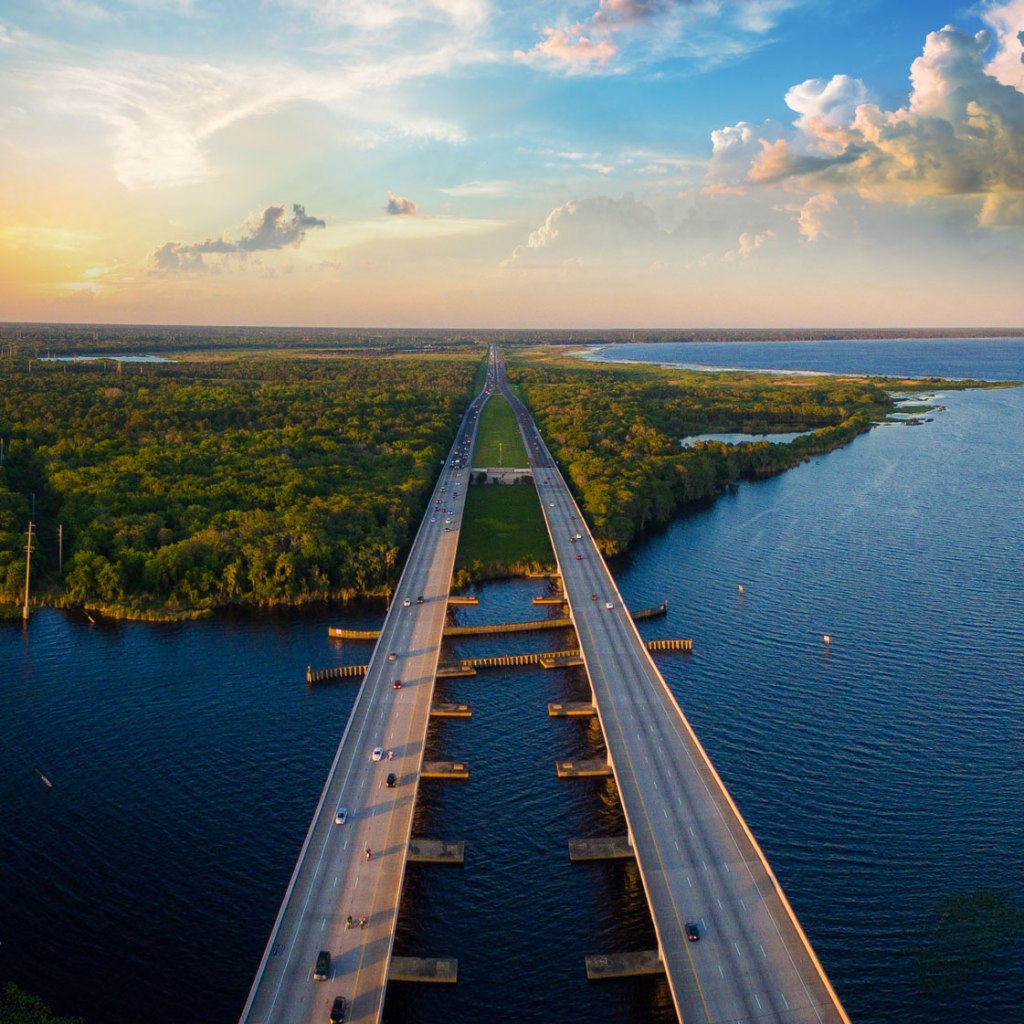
[(882, 775)]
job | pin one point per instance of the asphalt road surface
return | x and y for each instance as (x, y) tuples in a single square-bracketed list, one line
[(334, 878), (699, 862)]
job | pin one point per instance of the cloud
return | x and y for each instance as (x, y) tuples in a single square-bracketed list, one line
[(813, 216), (398, 206), (708, 31), (475, 189), (595, 229), (1006, 20), (960, 134), (270, 231), (748, 243)]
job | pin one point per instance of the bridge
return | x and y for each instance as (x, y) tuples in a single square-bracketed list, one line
[(333, 877), (700, 864)]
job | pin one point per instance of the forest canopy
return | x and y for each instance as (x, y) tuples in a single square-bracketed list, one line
[(184, 486), (616, 432)]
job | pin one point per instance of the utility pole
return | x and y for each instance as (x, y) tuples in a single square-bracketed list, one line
[(28, 565), (60, 549)]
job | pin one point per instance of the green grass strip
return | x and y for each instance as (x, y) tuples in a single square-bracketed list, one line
[(503, 526), (498, 440)]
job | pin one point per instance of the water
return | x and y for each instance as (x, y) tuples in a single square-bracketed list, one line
[(738, 437), (882, 775)]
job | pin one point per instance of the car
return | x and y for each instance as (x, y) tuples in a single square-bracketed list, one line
[(551, 504), (579, 558), (342, 816), (692, 932), (397, 684), (392, 655), (419, 600), (391, 780), (579, 536), (406, 603), (434, 519), (377, 754), (338, 1008), (322, 970), (608, 604)]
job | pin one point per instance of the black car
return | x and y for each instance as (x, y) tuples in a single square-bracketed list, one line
[(391, 780), (322, 970), (338, 1010), (419, 600), (693, 933)]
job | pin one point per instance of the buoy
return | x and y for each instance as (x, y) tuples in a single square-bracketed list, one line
[(741, 588), (827, 639)]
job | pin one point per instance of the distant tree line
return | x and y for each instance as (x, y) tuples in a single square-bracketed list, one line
[(617, 431), (186, 486)]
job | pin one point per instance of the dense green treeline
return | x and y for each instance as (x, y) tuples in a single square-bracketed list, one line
[(617, 432), (182, 487)]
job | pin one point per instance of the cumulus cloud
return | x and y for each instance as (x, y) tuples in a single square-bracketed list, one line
[(271, 230), (593, 229), (960, 134), (747, 244), (813, 216), (399, 206), (1006, 20)]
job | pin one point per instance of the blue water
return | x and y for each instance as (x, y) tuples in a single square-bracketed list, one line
[(882, 774)]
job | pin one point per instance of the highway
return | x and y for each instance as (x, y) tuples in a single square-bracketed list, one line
[(699, 862), (333, 877)]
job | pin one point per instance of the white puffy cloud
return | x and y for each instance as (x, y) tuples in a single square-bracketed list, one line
[(747, 244), (813, 215), (399, 206), (271, 230), (598, 228), (1006, 20), (829, 103), (960, 134)]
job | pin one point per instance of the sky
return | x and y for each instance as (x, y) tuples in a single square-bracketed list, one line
[(496, 163)]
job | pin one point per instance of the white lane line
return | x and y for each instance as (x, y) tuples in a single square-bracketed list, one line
[(323, 925), (758, 1001), (743, 903), (726, 866), (705, 863), (676, 841), (690, 880), (784, 999), (720, 971), (764, 954), (655, 783), (736, 946), (663, 811), (720, 907)]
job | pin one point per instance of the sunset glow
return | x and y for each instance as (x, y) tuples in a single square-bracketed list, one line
[(467, 163)]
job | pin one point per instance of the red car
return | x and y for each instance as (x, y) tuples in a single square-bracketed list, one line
[(579, 558), (397, 684)]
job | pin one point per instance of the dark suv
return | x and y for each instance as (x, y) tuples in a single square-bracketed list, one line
[(391, 780), (338, 1011), (322, 971)]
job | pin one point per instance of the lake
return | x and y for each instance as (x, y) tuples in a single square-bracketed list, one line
[(882, 773)]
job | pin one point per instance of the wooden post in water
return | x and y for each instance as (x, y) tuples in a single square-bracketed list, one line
[(28, 564)]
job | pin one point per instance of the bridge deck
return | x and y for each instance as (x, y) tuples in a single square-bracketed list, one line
[(333, 877), (699, 862)]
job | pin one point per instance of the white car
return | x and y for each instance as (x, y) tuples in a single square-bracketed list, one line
[(406, 603), (378, 754), (608, 604), (342, 816)]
